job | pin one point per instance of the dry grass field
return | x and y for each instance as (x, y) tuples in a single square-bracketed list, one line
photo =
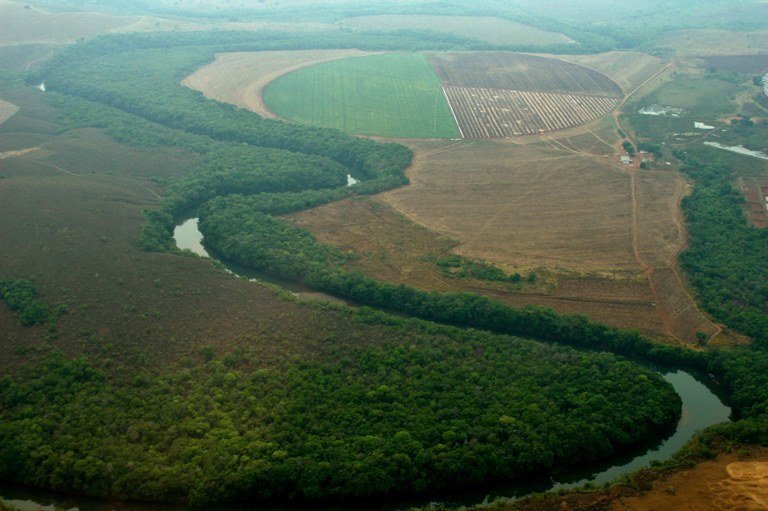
[(240, 78), (486, 28), (526, 205), (22, 25), (729, 482), (601, 238), (628, 69)]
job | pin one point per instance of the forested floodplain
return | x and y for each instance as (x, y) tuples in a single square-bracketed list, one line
[(375, 405), (384, 406)]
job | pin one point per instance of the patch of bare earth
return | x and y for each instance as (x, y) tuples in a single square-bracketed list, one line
[(727, 483), (7, 110), (239, 78), (522, 205)]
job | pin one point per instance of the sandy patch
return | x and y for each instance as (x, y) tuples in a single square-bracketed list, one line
[(724, 484), (20, 152)]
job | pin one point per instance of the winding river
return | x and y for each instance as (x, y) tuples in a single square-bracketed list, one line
[(701, 408)]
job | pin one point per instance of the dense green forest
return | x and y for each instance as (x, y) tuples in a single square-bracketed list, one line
[(430, 408), (726, 258), (426, 408)]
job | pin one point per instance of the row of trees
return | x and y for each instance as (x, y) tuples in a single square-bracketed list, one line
[(241, 234)]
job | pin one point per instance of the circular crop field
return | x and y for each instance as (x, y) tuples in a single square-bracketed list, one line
[(444, 95)]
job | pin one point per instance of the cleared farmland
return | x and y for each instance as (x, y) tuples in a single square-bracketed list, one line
[(495, 95), (20, 24), (486, 28), (494, 113), (240, 78), (517, 71), (391, 95)]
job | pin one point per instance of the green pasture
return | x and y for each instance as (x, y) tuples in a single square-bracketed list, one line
[(389, 95)]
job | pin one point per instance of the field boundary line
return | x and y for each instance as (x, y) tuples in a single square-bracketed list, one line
[(450, 106)]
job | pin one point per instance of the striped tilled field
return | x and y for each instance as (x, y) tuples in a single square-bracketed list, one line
[(495, 113)]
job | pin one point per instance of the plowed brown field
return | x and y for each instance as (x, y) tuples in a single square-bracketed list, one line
[(518, 71)]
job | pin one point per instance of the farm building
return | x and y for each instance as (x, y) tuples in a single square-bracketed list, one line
[(626, 160)]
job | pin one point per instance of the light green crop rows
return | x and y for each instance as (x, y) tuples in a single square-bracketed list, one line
[(390, 95)]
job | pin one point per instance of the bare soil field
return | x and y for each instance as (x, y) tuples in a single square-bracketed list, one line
[(731, 482), (499, 113), (711, 42), (240, 78), (727, 483), (517, 71), (525, 205), (392, 247), (602, 240), (628, 69), (756, 190), (486, 28)]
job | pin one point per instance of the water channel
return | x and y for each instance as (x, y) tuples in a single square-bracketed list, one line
[(701, 408)]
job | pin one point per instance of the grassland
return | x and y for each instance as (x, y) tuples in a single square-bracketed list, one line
[(711, 42), (394, 95), (486, 28), (704, 99)]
